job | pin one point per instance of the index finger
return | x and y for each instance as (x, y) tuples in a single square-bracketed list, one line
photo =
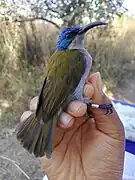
[(77, 108)]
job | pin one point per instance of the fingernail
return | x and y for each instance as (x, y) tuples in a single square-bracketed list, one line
[(74, 106), (33, 104), (65, 118), (99, 81), (77, 108), (88, 90), (25, 115)]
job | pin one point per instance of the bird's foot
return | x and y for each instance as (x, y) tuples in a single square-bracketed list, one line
[(107, 107), (87, 101)]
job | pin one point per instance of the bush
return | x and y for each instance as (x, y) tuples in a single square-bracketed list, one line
[(113, 52), (25, 48)]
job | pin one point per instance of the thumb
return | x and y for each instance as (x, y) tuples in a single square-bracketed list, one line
[(109, 124)]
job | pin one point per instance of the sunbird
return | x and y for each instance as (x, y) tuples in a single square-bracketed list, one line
[(65, 76)]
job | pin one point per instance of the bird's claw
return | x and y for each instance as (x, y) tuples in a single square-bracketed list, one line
[(87, 101), (107, 107)]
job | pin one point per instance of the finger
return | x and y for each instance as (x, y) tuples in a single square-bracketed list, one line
[(109, 124), (88, 90), (25, 115), (33, 104), (66, 121), (76, 108)]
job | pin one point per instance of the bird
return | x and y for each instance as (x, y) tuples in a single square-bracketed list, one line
[(66, 73)]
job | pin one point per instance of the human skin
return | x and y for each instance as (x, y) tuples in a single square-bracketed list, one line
[(87, 148)]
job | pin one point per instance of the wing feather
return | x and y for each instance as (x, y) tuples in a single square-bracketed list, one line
[(63, 73)]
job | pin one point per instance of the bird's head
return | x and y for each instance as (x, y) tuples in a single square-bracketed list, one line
[(74, 36)]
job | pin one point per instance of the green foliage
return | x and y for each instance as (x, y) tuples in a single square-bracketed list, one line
[(72, 12), (63, 12), (25, 48)]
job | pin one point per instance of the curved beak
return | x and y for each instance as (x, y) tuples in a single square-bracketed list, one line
[(90, 26)]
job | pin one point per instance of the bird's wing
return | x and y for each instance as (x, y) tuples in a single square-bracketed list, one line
[(64, 71)]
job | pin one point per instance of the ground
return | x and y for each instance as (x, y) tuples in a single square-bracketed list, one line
[(11, 149)]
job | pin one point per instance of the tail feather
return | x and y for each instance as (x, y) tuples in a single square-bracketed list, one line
[(26, 134), (43, 143), (38, 146), (36, 137), (21, 128), (48, 144)]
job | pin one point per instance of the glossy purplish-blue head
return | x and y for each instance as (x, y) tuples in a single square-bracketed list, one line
[(67, 35)]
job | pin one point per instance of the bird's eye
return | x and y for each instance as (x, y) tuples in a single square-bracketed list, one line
[(67, 36)]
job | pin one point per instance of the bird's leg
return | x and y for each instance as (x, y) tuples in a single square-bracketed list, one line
[(78, 95), (106, 107), (87, 101)]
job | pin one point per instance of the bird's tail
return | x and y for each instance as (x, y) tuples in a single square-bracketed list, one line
[(37, 137)]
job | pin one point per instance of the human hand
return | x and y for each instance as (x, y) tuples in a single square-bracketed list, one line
[(86, 148)]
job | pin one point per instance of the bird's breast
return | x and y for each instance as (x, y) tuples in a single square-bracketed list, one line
[(88, 63)]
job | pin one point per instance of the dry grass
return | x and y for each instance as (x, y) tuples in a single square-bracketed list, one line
[(25, 48), (114, 53)]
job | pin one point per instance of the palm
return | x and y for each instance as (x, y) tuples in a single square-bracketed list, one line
[(75, 150)]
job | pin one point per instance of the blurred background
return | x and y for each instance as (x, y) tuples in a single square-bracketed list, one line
[(28, 35)]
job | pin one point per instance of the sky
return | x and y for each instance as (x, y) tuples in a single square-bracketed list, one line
[(130, 5)]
